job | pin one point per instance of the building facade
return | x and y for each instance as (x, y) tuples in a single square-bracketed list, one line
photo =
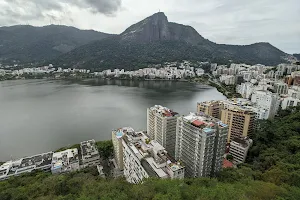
[(117, 143), (239, 149), (289, 102), (161, 126), (281, 88), (268, 101), (200, 144), (211, 108), (240, 119)]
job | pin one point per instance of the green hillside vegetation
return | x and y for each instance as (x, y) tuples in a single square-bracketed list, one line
[(275, 155), (272, 171), (86, 185), (28, 43), (112, 53)]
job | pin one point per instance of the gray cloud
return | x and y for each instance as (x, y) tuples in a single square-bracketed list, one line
[(104, 6), (245, 22), (25, 10)]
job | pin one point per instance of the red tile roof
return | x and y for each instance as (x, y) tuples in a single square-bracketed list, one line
[(227, 164), (197, 122), (168, 114)]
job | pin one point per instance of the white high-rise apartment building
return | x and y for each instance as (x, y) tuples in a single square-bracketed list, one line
[(268, 101), (200, 144), (145, 158), (117, 143), (161, 126)]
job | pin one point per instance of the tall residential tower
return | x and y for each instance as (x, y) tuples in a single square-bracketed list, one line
[(239, 117), (161, 126), (200, 144)]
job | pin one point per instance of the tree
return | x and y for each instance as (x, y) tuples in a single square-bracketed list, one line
[(105, 148)]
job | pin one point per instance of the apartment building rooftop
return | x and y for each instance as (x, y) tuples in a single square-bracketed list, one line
[(163, 111), (120, 132), (27, 164), (203, 121), (152, 155), (243, 142), (89, 149), (63, 161), (238, 105), (209, 103)]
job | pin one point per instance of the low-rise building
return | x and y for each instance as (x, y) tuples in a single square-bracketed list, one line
[(65, 161), (25, 165), (288, 101), (239, 149), (90, 154), (145, 158), (294, 92)]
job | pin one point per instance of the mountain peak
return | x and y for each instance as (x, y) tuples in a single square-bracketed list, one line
[(157, 28), (160, 15)]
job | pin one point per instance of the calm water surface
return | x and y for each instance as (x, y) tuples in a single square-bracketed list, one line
[(38, 115)]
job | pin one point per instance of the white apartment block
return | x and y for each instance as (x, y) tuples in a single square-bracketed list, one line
[(25, 165), (90, 154), (281, 88), (260, 113), (117, 143), (227, 79), (239, 149), (268, 101), (247, 76), (65, 161), (245, 89), (289, 102), (199, 72), (161, 126), (200, 144), (144, 158), (294, 92)]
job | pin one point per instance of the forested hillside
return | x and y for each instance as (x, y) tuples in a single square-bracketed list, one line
[(86, 185)]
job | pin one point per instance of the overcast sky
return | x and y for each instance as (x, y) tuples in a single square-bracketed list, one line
[(221, 21)]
